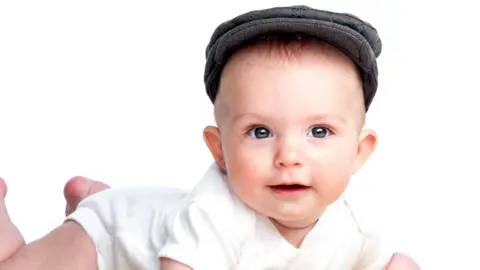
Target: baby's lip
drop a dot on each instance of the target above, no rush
(290, 183)
(297, 185)
(289, 191)
(289, 187)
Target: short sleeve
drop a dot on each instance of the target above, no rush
(94, 215)
(201, 238)
(120, 223)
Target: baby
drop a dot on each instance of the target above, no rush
(290, 87)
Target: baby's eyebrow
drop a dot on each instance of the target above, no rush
(250, 115)
(327, 117)
(319, 118)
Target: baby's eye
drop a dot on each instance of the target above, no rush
(259, 132)
(319, 132)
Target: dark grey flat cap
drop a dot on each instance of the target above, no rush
(357, 39)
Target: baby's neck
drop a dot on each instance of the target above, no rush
(294, 235)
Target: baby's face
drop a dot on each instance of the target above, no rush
(289, 132)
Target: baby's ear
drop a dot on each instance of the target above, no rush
(211, 135)
(367, 141)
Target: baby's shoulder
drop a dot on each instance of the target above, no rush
(212, 203)
(209, 222)
(214, 195)
(218, 207)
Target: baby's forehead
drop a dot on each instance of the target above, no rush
(273, 64)
(245, 79)
(288, 106)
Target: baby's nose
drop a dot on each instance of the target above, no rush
(288, 155)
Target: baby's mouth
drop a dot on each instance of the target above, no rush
(289, 188)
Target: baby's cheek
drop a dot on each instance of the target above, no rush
(330, 191)
(247, 161)
(332, 181)
(247, 189)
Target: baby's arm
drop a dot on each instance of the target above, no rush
(66, 247)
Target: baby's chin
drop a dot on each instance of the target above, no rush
(294, 224)
(294, 218)
(290, 213)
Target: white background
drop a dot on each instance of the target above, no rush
(114, 91)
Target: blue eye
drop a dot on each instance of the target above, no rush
(319, 132)
(259, 133)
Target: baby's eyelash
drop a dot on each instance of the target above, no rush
(327, 127)
(249, 128)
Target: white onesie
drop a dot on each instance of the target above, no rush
(210, 228)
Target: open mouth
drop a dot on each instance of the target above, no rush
(287, 188)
